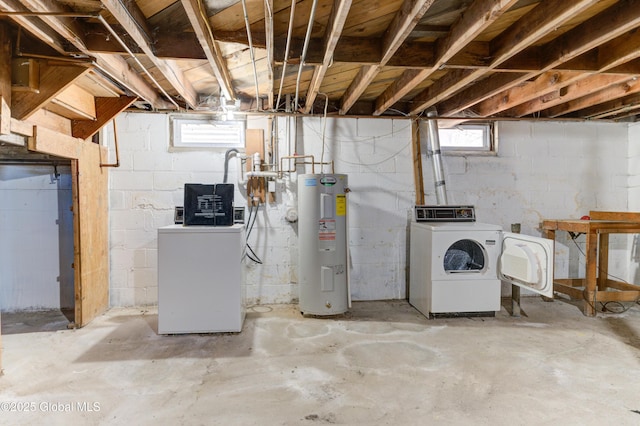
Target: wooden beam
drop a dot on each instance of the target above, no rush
(543, 84)
(166, 44)
(613, 215)
(574, 91)
(626, 111)
(33, 25)
(619, 51)
(332, 35)
(111, 65)
(543, 19)
(106, 110)
(355, 50)
(475, 19)
(50, 142)
(613, 22)
(130, 7)
(403, 23)
(531, 27)
(119, 70)
(626, 52)
(53, 80)
(412, 54)
(205, 37)
(416, 152)
(612, 107)
(174, 75)
(69, 28)
(5, 80)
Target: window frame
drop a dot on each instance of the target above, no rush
(176, 121)
(489, 148)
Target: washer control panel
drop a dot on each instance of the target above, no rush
(445, 214)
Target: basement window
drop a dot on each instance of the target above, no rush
(206, 132)
(468, 139)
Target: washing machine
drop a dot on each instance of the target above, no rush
(457, 264)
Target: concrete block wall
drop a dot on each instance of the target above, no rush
(144, 191)
(546, 170)
(634, 167)
(543, 170)
(376, 156)
(634, 199)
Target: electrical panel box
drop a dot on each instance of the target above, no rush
(209, 205)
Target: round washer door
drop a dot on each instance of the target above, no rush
(465, 256)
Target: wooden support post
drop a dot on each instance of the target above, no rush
(591, 274)
(5, 80)
(515, 290)
(603, 261)
(90, 216)
(416, 152)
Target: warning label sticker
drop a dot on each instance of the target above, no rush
(327, 229)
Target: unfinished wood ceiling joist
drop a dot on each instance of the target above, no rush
(465, 58)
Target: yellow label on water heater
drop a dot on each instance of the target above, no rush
(341, 204)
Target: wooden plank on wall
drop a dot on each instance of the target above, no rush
(92, 295)
(74, 102)
(106, 110)
(53, 80)
(54, 143)
(254, 142)
(77, 244)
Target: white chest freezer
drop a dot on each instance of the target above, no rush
(201, 287)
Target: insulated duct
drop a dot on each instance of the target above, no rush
(436, 159)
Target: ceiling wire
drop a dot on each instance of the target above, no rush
(253, 59)
(286, 51)
(307, 37)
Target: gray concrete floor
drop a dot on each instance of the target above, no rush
(381, 364)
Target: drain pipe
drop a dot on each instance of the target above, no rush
(436, 158)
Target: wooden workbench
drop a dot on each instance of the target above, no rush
(597, 286)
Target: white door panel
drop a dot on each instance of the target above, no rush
(527, 262)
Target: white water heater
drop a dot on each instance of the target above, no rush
(322, 240)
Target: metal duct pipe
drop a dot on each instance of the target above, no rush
(436, 159)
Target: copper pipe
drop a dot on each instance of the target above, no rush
(115, 141)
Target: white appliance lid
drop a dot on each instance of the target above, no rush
(458, 226)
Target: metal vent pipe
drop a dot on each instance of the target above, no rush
(436, 159)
